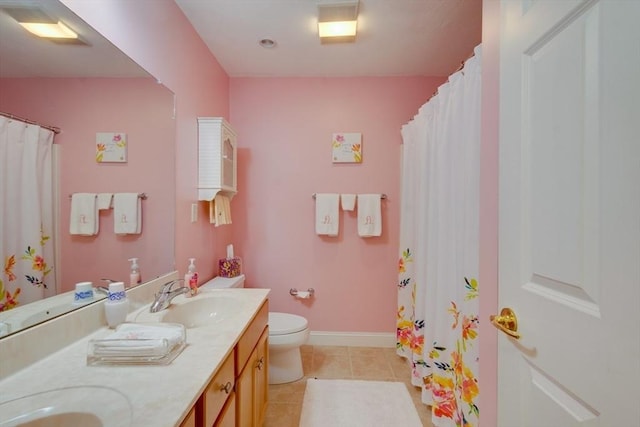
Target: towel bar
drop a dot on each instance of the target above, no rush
(143, 196)
(382, 196)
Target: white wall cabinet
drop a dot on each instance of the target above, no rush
(217, 158)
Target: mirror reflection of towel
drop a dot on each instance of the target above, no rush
(84, 214)
(127, 213)
(327, 219)
(369, 215)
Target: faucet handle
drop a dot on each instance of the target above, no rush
(166, 288)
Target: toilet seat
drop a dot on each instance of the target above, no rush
(286, 323)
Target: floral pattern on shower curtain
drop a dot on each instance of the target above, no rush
(437, 318)
(26, 213)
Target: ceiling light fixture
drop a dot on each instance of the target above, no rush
(50, 30)
(338, 22)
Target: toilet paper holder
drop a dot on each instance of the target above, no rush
(302, 294)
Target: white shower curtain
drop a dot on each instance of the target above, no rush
(26, 213)
(438, 265)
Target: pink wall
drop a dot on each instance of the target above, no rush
(284, 128)
(489, 212)
(183, 63)
(81, 107)
(163, 42)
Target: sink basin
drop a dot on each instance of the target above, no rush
(202, 310)
(87, 406)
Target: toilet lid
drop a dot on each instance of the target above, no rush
(285, 323)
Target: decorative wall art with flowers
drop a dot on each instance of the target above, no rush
(347, 147)
(111, 147)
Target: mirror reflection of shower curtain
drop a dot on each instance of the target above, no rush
(26, 213)
(437, 324)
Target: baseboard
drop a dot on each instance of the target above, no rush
(353, 339)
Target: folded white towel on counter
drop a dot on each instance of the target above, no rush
(220, 210)
(369, 215)
(127, 213)
(84, 214)
(131, 347)
(131, 339)
(327, 219)
(104, 200)
(348, 202)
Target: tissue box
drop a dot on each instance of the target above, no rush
(229, 267)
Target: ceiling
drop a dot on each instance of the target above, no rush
(25, 55)
(395, 37)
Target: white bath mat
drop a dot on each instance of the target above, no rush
(354, 403)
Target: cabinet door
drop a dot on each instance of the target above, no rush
(244, 393)
(228, 160)
(218, 392)
(190, 421)
(261, 379)
(227, 417)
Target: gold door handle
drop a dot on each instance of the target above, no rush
(507, 322)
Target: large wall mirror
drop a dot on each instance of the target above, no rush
(86, 88)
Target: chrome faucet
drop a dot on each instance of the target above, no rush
(105, 289)
(164, 297)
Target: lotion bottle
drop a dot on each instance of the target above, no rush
(134, 278)
(191, 278)
(116, 307)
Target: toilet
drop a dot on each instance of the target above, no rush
(287, 332)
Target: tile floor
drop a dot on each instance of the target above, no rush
(326, 362)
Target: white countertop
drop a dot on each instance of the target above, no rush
(160, 395)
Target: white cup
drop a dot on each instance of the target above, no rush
(116, 312)
(83, 293)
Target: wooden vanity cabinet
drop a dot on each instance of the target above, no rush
(216, 396)
(252, 385)
(237, 394)
(252, 377)
(227, 417)
(190, 421)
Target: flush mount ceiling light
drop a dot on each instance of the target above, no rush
(50, 30)
(39, 23)
(338, 22)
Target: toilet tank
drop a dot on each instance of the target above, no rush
(224, 282)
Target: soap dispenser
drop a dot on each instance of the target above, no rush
(134, 278)
(116, 307)
(191, 278)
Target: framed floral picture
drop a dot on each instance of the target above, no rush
(111, 147)
(347, 148)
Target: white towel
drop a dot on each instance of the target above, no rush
(220, 210)
(84, 214)
(327, 220)
(132, 339)
(104, 200)
(127, 213)
(348, 202)
(369, 215)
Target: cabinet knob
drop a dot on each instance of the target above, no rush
(227, 387)
(260, 363)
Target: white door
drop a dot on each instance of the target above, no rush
(569, 257)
